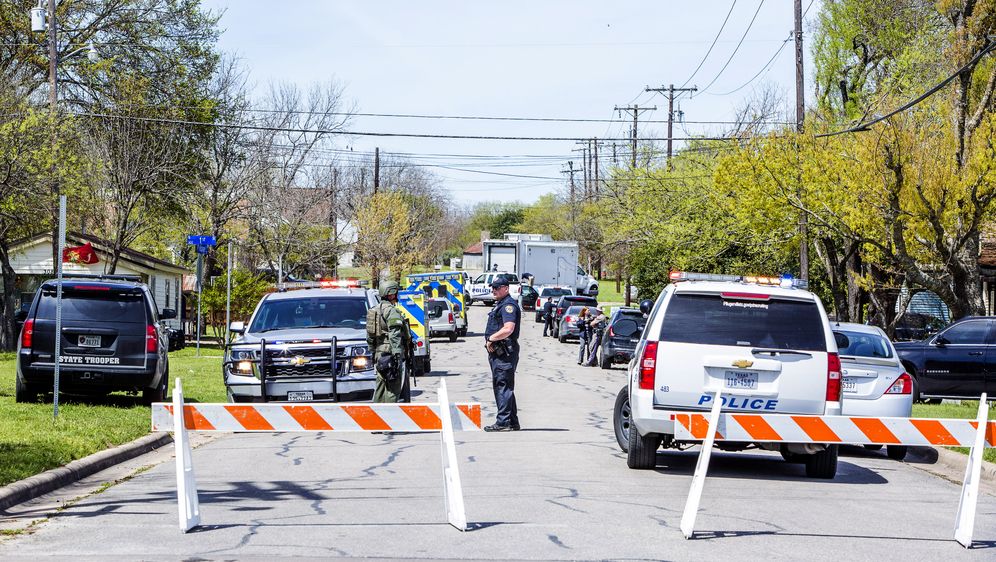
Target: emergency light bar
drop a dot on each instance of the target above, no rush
(785, 281)
(351, 283)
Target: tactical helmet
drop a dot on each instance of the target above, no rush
(388, 288)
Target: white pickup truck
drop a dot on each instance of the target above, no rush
(480, 287)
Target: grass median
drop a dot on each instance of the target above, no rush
(31, 441)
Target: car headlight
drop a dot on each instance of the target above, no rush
(359, 350)
(361, 363)
(244, 367)
(242, 354)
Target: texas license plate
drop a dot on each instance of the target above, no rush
(850, 385)
(89, 341)
(300, 396)
(741, 380)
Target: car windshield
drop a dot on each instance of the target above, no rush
(774, 323)
(315, 312)
(861, 344)
(555, 292)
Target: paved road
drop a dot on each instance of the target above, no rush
(558, 490)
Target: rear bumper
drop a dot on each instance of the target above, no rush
(619, 354)
(90, 377)
(434, 330)
(889, 406)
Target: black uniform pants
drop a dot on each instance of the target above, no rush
(503, 382)
(548, 325)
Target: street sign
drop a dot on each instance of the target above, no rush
(201, 240)
(202, 249)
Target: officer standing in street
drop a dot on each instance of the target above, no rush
(387, 332)
(548, 309)
(502, 342)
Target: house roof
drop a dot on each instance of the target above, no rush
(104, 246)
(476, 248)
(987, 254)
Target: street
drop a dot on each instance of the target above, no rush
(557, 490)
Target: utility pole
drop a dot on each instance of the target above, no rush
(334, 221)
(635, 110)
(670, 93)
(53, 98)
(376, 169)
(800, 116)
(595, 170)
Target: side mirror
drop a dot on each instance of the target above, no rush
(842, 340)
(167, 314)
(237, 327)
(21, 315)
(646, 306)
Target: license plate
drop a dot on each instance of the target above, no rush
(850, 385)
(741, 380)
(89, 341)
(300, 396)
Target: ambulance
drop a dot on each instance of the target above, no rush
(450, 285)
(412, 306)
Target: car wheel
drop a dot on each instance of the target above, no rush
(157, 394)
(453, 336)
(605, 362)
(822, 464)
(873, 447)
(642, 451)
(23, 392)
(426, 366)
(896, 452)
(621, 419)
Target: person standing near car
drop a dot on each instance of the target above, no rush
(597, 328)
(501, 337)
(387, 333)
(548, 308)
(583, 332)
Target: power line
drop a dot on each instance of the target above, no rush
(735, 50)
(759, 72)
(720, 32)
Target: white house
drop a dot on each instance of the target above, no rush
(31, 259)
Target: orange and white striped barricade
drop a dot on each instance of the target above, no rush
(443, 417)
(786, 428)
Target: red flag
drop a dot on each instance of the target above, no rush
(83, 255)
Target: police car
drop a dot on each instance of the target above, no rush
(284, 352)
(764, 342)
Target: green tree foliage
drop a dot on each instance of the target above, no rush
(498, 218)
(247, 290)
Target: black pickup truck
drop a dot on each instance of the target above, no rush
(958, 362)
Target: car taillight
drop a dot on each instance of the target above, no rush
(903, 385)
(27, 332)
(648, 366)
(611, 333)
(833, 377)
(151, 339)
(451, 318)
(568, 319)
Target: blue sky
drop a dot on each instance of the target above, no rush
(546, 59)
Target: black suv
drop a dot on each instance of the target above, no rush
(959, 362)
(568, 301)
(112, 339)
(625, 327)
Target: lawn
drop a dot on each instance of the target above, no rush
(968, 409)
(31, 441)
(607, 292)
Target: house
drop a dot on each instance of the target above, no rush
(31, 259)
(473, 257)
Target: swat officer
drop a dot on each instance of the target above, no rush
(386, 335)
(502, 342)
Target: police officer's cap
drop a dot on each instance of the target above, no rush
(388, 288)
(500, 281)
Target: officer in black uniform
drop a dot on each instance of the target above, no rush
(502, 343)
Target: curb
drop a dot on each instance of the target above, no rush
(941, 457)
(39, 484)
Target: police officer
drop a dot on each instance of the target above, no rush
(548, 309)
(387, 340)
(502, 343)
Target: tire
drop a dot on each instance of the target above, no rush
(426, 366)
(605, 362)
(23, 392)
(873, 447)
(822, 464)
(621, 415)
(642, 451)
(453, 336)
(896, 452)
(157, 394)
(563, 339)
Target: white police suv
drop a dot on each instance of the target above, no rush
(765, 342)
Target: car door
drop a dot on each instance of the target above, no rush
(955, 362)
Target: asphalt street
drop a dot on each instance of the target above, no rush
(558, 490)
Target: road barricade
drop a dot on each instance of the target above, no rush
(785, 428)
(444, 417)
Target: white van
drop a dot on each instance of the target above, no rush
(765, 342)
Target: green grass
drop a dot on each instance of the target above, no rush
(31, 441)
(968, 409)
(607, 292)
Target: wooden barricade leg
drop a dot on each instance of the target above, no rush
(452, 489)
(188, 506)
(965, 520)
(701, 468)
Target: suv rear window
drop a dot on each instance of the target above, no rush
(96, 306)
(713, 320)
(436, 308)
